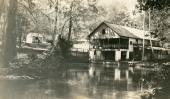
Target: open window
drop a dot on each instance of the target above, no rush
(137, 41)
(103, 31)
(131, 43)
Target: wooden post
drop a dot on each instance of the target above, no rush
(108, 43)
(119, 44)
(143, 37)
(150, 31)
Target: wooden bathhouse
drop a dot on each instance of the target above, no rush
(111, 42)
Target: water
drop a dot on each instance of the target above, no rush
(81, 81)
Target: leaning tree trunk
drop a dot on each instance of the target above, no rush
(55, 23)
(10, 37)
(70, 27)
(70, 22)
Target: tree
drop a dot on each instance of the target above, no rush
(76, 13)
(10, 36)
(116, 15)
(129, 22)
(154, 9)
(22, 25)
(34, 17)
(71, 16)
(156, 14)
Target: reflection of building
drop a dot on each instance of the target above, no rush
(109, 79)
(121, 74)
(114, 42)
(34, 38)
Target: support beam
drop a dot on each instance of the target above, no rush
(127, 55)
(117, 55)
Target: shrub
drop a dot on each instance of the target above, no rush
(159, 84)
(33, 56)
(63, 47)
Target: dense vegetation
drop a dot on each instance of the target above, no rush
(70, 20)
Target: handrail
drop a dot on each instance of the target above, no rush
(111, 46)
(155, 45)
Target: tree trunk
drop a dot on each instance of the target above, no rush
(2, 7)
(20, 30)
(55, 28)
(10, 36)
(70, 22)
(150, 32)
(20, 39)
(143, 38)
(62, 29)
(55, 24)
(70, 26)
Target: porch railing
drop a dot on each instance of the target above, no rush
(111, 46)
(154, 45)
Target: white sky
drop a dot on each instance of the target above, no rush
(130, 4)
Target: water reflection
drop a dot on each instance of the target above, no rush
(110, 81)
(82, 81)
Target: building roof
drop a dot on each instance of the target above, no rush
(121, 31)
(124, 31)
(35, 34)
(139, 33)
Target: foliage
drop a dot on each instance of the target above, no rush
(129, 22)
(158, 87)
(22, 24)
(36, 18)
(63, 47)
(158, 12)
(80, 16)
(114, 14)
(32, 56)
(152, 4)
(35, 69)
(75, 19)
(159, 25)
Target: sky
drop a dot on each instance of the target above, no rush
(130, 4)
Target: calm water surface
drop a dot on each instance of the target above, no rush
(81, 81)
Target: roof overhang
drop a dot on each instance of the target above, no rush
(125, 29)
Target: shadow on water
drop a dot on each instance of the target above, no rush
(82, 81)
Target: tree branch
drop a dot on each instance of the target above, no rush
(26, 9)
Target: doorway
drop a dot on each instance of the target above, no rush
(109, 55)
(123, 55)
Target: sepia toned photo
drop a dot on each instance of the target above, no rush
(84, 49)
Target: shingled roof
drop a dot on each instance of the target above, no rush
(122, 31)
